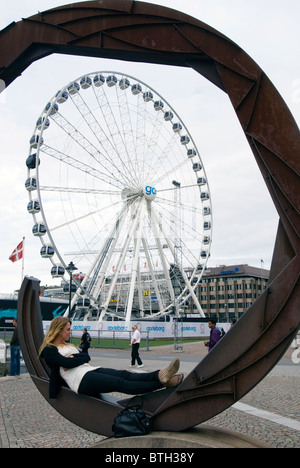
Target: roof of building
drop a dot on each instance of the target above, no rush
(239, 270)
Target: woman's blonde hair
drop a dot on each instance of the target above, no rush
(56, 327)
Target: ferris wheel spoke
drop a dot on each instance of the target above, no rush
(187, 227)
(105, 140)
(126, 134)
(80, 218)
(152, 151)
(140, 140)
(92, 123)
(161, 159)
(113, 142)
(187, 230)
(183, 206)
(90, 191)
(171, 171)
(100, 158)
(80, 166)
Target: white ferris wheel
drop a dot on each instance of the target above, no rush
(117, 186)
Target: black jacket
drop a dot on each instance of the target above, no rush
(15, 338)
(55, 360)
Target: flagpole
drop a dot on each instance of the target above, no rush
(22, 277)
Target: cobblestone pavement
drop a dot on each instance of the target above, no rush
(28, 421)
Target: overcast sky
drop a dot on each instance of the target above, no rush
(245, 220)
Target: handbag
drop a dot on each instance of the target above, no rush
(132, 421)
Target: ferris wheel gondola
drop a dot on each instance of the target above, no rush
(102, 178)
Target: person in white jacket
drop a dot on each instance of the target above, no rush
(134, 345)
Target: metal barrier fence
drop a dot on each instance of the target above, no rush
(6, 333)
(112, 339)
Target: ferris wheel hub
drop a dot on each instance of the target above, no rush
(149, 192)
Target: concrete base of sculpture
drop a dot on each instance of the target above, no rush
(200, 437)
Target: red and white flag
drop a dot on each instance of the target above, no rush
(17, 253)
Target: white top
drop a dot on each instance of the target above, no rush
(136, 336)
(73, 377)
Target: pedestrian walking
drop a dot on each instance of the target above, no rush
(215, 335)
(134, 345)
(85, 341)
(15, 351)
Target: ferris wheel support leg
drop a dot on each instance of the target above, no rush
(86, 278)
(154, 224)
(160, 304)
(140, 291)
(135, 218)
(102, 315)
(134, 268)
(184, 275)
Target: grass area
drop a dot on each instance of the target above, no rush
(110, 343)
(124, 344)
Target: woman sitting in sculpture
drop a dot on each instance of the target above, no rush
(70, 366)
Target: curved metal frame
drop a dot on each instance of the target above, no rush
(129, 30)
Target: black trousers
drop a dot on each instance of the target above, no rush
(110, 380)
(135, 354)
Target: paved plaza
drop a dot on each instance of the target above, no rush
(269, 413)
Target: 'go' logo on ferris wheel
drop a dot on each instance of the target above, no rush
(149, 192)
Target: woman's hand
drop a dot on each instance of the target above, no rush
(65, 368)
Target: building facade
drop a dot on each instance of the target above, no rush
(226, 292)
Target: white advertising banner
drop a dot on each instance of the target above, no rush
(154, 329)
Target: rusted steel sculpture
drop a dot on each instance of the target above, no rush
(133, 31)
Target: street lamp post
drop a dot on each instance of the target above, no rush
(176, 277)
(70, 268)
(175, 280)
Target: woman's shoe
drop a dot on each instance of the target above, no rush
(175, 381)
(167, 373)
